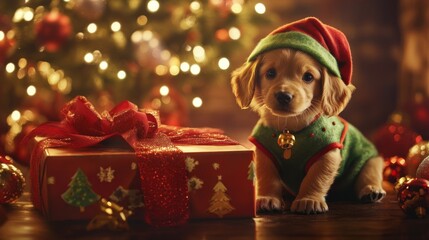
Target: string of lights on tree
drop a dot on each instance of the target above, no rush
(157, 54)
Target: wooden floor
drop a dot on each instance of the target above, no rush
(344, 221)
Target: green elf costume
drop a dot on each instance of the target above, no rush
(330, 47)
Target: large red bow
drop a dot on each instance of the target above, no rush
(83, 126)
(161, 164)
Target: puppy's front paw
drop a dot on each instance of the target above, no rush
(370, 194)
(269, 205)
(309, 206)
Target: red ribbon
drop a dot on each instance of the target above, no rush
(161, 164)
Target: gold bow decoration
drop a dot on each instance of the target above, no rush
(112, 217)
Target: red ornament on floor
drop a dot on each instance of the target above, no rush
(12, 181)
(413, 197)
(394, 139)
(53, 31)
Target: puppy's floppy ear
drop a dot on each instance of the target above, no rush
(335, 94)
(243, 82)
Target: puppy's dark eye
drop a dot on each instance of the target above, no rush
(271, 73)
(308, 77)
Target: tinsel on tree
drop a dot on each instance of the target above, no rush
(153, 53)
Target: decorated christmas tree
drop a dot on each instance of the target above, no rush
(158, 54)
(80, 193)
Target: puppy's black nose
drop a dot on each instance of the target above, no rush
(283, 98)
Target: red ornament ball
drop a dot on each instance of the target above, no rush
(394, 139)
(12, 181)
(423, 169)
(413, 197)
(53, 30)
(394, 169)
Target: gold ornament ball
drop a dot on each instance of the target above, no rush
(416, 154)
(12, 183)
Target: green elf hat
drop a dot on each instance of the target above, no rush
(326, 44)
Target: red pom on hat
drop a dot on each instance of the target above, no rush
(326, 44)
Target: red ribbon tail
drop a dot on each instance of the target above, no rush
(164, 181)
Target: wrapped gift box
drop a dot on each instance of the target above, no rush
(220, 181)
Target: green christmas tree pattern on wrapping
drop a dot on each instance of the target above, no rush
(220, 201)
(80, 193)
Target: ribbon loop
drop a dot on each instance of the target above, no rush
(81, 118)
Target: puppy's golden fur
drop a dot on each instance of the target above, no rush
(313, 91)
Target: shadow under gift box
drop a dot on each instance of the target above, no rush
(72, 181)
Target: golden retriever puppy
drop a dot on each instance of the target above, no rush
(298, 79)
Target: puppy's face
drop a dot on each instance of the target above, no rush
(290, 82)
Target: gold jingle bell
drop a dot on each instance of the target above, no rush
(286, 140)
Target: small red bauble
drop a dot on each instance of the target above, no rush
(413, 197)
(12, 181)
(395, 139)
(53, 30)
(394, 169)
